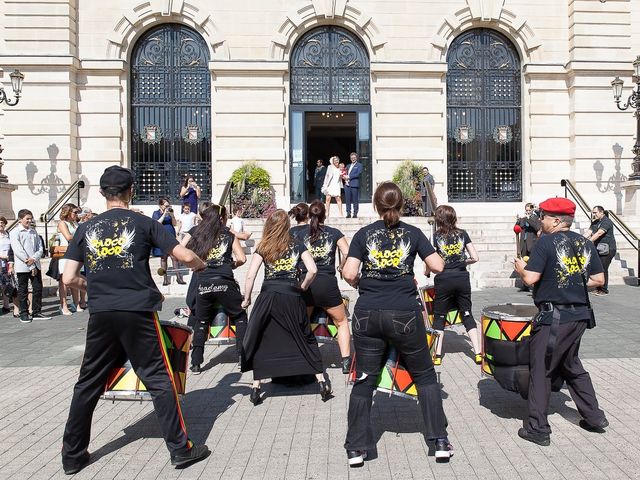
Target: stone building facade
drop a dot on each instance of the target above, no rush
(391, 79)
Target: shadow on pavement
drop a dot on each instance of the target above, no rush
(201, 408)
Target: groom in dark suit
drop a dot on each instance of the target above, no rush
(352, 185)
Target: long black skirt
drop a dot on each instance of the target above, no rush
(279, 341)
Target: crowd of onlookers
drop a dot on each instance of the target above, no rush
(22, 249)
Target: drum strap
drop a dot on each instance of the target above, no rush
(553, 335)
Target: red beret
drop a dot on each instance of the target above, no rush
(559, 205)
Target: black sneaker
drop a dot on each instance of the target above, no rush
(346, 365)
(599, 428)
(73, 468)
(348, 215)
(539, 438)
(355, 215)
(325, 391)
(356, 458)
(196, 369)
(444, 450)
(191, 456)
(40, 316)
(25, 318)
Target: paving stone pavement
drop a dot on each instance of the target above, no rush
(294, 435)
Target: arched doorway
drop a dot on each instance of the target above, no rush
(330, 112)
(484, 137)
(170, 112)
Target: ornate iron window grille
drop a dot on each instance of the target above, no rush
(171, 92)
(330, 65)
(483, 93)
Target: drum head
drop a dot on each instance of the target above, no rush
(178, 325)
(511, 311)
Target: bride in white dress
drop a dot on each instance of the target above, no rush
(332, 184)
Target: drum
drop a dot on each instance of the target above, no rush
(394, 377)
(322, 326)
(427, 296)
(505, 352)
(222, 330)
(124, 384)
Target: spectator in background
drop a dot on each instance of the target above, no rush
(352, 186)
(427, 204)
(85, 215)
(6, 266)
(530, 225)
(237, 224)
(27, 251)
(602, 235)
(187, 220)
(332, 184)
(67, 226)
(318, 178)
(190, 192)
(165, 216)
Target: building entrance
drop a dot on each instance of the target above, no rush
(328, 134)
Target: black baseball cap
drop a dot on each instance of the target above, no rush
(116, 178)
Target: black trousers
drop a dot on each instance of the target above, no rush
(453, 290)
(112, 337)
(210, 294)
(606, 261)
(352, 197)
(372, 330)
(565, 364)
(36, 292)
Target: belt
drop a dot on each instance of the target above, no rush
(549, 306)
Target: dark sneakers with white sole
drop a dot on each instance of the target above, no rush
(444, 450)
(356, 458)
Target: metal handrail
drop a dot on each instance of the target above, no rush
(581, 202)
(618, 224)
(226, 192)
(57, 206)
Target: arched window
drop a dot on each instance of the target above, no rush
(170, 112)
(329, 66)
(484, 159)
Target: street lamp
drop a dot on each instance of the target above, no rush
(634, 102)
(16, 84)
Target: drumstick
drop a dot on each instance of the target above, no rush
(517, 229)
(168, 271)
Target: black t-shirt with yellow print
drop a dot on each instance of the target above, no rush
(285, 268)
(387, 255)
(452, 248)
(114, 248)
(561, 272)
(219, 260)
(323, 249)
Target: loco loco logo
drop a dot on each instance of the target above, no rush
(450, 249)
(388, 249)
(285, 264)
(216, 253)
(568, 265)
(109, 242)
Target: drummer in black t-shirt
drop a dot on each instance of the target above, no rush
(453, 286)
(213, 241)
(323, 241)
(601, 234)
(114, 248)
(559, 266)
(388, 311)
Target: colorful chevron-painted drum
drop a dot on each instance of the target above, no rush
(394, 377)
(505, 354)
(124, 384)
(222, 330)
(427, 296)
(321, 324)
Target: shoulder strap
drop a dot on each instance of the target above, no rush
(582, 273)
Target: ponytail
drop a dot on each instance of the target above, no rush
(388, 202)
(300, 212)
(317, 215)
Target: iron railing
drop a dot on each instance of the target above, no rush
(226, 195)
(53, 210)
(618, 224)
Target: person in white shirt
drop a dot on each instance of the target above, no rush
(27, 251)
(187, 219)
(237, 225)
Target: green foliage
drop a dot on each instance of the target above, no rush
(408, 176)
(252, 190)
(249, 176)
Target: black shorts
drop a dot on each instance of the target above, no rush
(323, 292)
